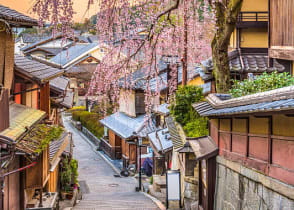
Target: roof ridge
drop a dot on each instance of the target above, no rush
(267, 96)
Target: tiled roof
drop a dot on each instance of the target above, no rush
(274, 106)
(74, 52)
(126, 126)
(31, 38)
(251, 63)
(161, 140)
(162, 109)
(59, 84)
(203, 147)
(67, 101)
(32, 143)
(85, 68)
(42, 41)
(35, 70)
(175, 136)
(140, 81)
(269, 101)
(21, 118)
(49, 50)
(56, 147)
(15, 18)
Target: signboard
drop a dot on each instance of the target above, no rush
(173, 186)
(140, 141)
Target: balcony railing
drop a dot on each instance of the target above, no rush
(252, 19)
(112, 152)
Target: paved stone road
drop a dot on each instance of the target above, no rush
(104, 190)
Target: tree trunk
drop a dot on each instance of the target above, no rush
(226, 19)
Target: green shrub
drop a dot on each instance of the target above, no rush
(65, 175)
(185, 114)
(264, 82)
(74, 168)
(90, 121)
(77, 108)
(197, 127)
(182, 108)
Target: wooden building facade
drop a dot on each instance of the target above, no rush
(253, 133)
(125, 127)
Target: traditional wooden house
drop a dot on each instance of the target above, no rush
(47, 47)
(32, 84)
(160, 141)
(10, 182)
(22, 119)
(123, 132)
(281, 43)
(60, 94)
(255, 141)
(26, 39)
(253, 42)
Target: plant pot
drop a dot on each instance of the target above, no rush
(69, 195)
(63, 195)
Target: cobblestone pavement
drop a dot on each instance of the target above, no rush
(102, 189)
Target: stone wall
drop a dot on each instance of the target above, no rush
(238, 187)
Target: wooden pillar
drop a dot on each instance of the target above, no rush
(218, 132)
(270, 140)
(247, 137)
(4, 109)
(6, 58)
(45, 98)
(17, 89)
(231, 134)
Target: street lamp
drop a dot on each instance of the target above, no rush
(140, 173)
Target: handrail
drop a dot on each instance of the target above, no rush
(253, 16)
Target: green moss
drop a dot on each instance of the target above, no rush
(46, 134)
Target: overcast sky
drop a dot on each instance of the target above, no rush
(24, 6)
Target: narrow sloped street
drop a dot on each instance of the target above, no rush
(101, 189)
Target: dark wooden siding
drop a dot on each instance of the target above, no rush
(140, 102)
(4, 109)
(45, 98)
(282, 29)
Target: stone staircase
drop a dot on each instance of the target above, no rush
(112, 204)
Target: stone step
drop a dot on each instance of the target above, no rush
(111, 208)
(115, 201)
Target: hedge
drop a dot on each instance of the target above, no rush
(90, 121)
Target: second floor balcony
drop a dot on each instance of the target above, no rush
(253, 20)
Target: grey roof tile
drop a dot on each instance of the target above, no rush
(72, 53)
(205, 109)
(161, 140)
(175, 136)
(59, 83)
(55, 145)
(125, 126)
(16, 18)
(31, 38)
(35, 70)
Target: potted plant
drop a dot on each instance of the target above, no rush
(65, 178)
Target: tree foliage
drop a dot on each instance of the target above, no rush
(138, 34)
(264, 82)
(185, 114)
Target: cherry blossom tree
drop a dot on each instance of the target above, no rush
(137, 34)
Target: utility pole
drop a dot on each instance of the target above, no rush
(185, 54)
